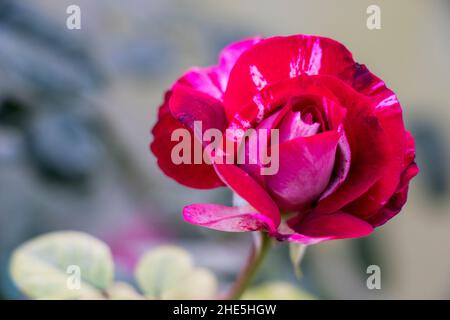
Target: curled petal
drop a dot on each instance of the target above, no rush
(253, 165)
(316, 228)
(213, 80)
(249, 190)
(227, 60)
(188, 106)
(341, 166)
(293, 126)
(391, 120)
(295, 56)
(200, 176)
(200, 79)
(305, 167)
(362, 129)
(223, 218)
(398, 199)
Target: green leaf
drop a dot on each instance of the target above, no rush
(167, 272)
(123, 291)
(276, 291)
(200, 284)
(62, 265)
(296, 253)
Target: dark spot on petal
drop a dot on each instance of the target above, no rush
(362, 78)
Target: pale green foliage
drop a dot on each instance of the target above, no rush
(123, 291)
(276, 291)
(168, 273)
(41, 268)
(75, 265)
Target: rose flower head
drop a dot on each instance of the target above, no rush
(311, 142)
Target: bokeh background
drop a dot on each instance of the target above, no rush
(76, 108)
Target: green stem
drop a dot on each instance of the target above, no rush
(257, 254)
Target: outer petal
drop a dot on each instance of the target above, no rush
(390, 118)
(316, 228)
(201, 176)
(223, 218)
(213, 80)
(398, 199)
(205, 84)
(228, 58)
(188, 105)
(362, 129)
(281, 58)
(200, 79)
(248, 189)
(305, 168)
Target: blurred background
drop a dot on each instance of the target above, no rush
(77, 106)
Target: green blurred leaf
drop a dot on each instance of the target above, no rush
(200, 284)
(123, 291)
(296, 253)
(276, 291)
(167, 272)
(62, 265)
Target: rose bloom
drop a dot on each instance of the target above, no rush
(345, 158)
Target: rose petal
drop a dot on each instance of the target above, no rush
(362, 129)
(398, 199)
(248, 189)
(295, 55)
(316, 228)
(293, 126)
(392, 122)
(188, 106)
(213, 80)
(227, 60)
(200, 176)
(200, 79)
(305, 167)
(341, 166)
(253, 165)
(223, 218)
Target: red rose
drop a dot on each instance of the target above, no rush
(345, 158)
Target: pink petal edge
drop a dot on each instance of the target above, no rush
(230, 219)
